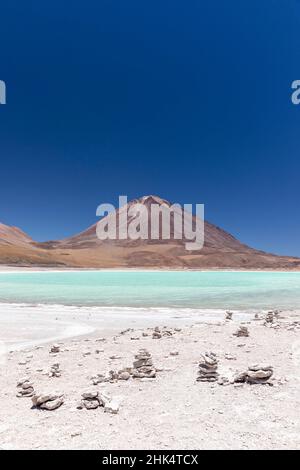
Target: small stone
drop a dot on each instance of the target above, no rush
(91, 404)
(230, 357)
(90, 395)
(112, 407)
(124, 375)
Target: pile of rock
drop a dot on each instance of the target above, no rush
(55, 371)
(92, 400)
(47, 401)
(157, 334)
(228, 315)
(208, 368)
(242, 332)
(55, 349)
(112, 376)
(256, 374)
(25, 388)
(269, 318)
(167, 332)
(143, 365)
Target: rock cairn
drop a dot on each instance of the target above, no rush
(208, 368)
(112, 376)
(55, 349)
(168, 333)
(47, 401)
(55, 371)
(92, 400)
(242, 332)
(143, 365)
(269, 319)
(157, 334)
(228, 315)
(25, 388)
(256, 374)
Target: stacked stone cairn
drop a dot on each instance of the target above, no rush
(256, 374)
(47, 401)
(92, 400)
(269, 319)
(55, 349)
(208, 368)
(25, 388)
(112, 376)
(228, 315)
(157, 334)
(242, 332)
(143, 365)
(55, 371)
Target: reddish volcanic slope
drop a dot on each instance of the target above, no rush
(221, 250)
(13, 236)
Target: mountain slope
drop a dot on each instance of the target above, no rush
(85, 250)
(13, 236)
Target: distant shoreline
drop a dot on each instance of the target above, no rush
(38, 269)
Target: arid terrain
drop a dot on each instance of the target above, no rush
(169, 411)
(85, 250)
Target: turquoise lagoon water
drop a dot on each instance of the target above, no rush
(234, 290)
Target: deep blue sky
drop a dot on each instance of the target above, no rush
(187, 100)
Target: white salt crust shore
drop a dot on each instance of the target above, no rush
(172, 411)
(24, 325)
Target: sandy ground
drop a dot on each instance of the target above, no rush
(172, 411)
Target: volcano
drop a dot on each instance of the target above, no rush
(84, 250)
